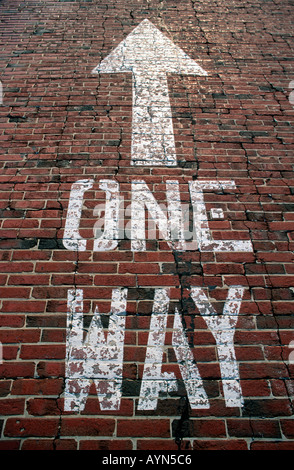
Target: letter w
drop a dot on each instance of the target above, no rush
(95, 358)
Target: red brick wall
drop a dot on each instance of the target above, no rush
(60, 124)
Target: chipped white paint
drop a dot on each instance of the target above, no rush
(223, 329)
(150, 56)
(291, 95)
(201, 225)
(141, 197)
(291, 355)
(72, 239)
(108, 240)
(216, 213)
(94, 359)
(155, 381)
(171, 228)
(179, 218)
(189, 370)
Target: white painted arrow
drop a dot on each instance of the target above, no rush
(149, 55)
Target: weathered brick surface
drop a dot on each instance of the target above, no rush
(59, 124)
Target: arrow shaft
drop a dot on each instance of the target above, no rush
(152, 128)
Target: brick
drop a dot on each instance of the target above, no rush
(255, 387)
(5, 387)
(115, 280)
(29, 280)
(158, 444)
(20, 427)
(268, 408)
(270, 445)
(16, 321)
(136, 268)
(43, 386)
(140, 427)
(50, 369)
(10, 445)
(12, 406)
(207, 427)
(49, 444)
(43, 407)
(253, 428)
(161, 280)
(106, 445)
(18, 306)
(16, 267)
(87, 427)
(54, 267)
(97, 267)
(221, 444)
(13, 369)
(42, 351)
(287, 428)
(19, 335)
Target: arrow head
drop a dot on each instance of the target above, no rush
(146, 49)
